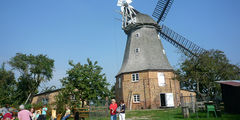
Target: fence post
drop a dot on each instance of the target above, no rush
(181, 100)
(106, 105)
(192, 103)
(185, 109)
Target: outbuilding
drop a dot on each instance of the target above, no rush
(47, 97)
(231, 95)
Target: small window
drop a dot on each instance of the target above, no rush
(164, 51)
(45, 100)
(137, 50)
(161, 79)
(136, 98)
(119, 82)
(137, 34)
(135, 77)
(73, 97)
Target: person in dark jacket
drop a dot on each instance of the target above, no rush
(122, 110)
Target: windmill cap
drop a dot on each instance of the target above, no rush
(143, 18)
(141, 21)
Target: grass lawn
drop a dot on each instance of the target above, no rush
(174, 114)
(170, 114)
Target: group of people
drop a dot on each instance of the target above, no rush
(40, 114)
(9, 113)
(6, 112)
(25, 114)
(66, 115)
(117, 110)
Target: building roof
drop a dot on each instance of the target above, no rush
(235, 83)
(47, 92)
(187, 90)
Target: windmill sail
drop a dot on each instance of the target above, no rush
(186, 46)
(162, 9)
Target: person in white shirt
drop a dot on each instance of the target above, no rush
(122, 110)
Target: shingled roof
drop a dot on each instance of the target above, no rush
(150, 54)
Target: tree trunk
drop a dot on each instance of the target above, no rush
(28, 98)
(82, 103)
(32, 93)
(198, 86)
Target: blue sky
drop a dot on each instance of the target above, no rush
(76, 29)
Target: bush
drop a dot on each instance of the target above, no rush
(28, 106)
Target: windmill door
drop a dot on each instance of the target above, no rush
(169, 100)
(163, 99)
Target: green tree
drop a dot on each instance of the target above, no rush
(201, 73)
(7, 86)
(62, 99)
(33, 70)
(113, 92)
(85, 82)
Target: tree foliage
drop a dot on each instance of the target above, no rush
(85, 82)
(62, 99)
(33, 70)
(201, 73)
(112, 92)
(7, 86)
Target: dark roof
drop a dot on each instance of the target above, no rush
(235, 83)
(188, 90)
(47, 92)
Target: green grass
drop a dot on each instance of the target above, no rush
(169, 114)
(174, 114)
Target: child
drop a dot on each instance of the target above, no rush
(37, 113)
(33, 114)
(53, 117)
(44, 112)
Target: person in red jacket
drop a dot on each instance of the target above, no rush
(113, 108)
(8, 116)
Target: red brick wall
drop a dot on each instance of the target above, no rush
(148, 89)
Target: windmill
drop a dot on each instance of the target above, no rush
(146, 75)
(161, 10)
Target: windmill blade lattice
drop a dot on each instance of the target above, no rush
(186, 46)
(162, 9)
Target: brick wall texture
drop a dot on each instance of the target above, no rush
(148, 89)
